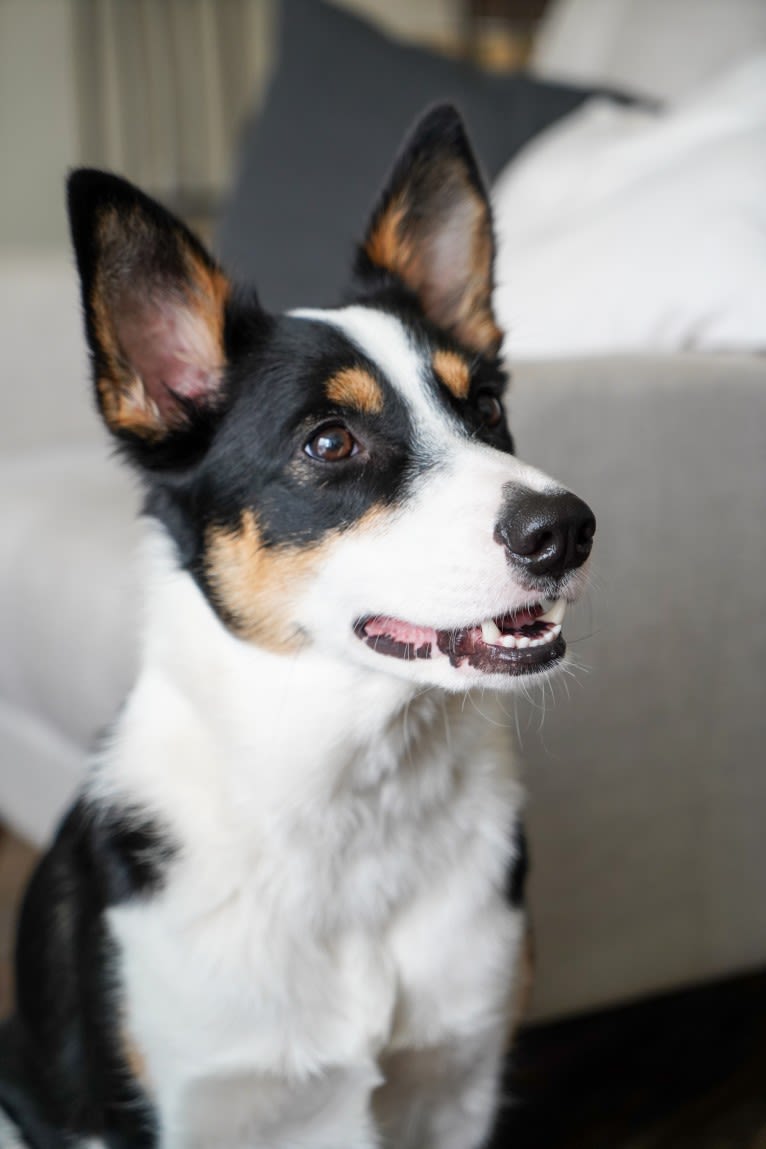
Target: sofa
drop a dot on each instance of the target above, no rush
(644, 764)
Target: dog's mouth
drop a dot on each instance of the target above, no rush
(523, 641)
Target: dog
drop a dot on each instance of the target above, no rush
(286, 910)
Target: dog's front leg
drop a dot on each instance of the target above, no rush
(443, 1097)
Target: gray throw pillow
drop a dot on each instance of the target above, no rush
(311, 164)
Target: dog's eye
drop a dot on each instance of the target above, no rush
(332, 444)
(490, 408)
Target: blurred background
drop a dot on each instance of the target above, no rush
(625, 145)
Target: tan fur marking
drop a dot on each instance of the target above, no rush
(475, 322)
(386, 245)
(134, 1059)
(255, 584)
(211, 290)
(124, 401)
(521, 992)
(355, 387)
(127, 407)
(453, 371)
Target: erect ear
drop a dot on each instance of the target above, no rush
(432, 231)
(154, 305)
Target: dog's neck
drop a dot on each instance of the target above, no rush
(226, 713)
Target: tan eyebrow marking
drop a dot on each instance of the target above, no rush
(355, 387)
(453, 371)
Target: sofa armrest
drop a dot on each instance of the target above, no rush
(647, 781)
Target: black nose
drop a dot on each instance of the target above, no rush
(546, 534)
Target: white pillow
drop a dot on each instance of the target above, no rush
(663, 48)
(621, 229)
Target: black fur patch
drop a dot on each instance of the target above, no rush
(519, 867)
(70, 1068)
(278, 401)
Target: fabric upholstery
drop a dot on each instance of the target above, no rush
(68, 621)
(659, 48)
(646, 778)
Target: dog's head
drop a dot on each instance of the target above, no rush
(342, 479)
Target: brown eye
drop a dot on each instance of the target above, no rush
(490, 408)
(332, 444)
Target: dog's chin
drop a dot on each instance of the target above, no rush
(519, 644)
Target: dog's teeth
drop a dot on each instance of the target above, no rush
(493, 636)
(556, 613)
(551, 633)
(490, 632)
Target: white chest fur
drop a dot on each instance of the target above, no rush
(335, 900)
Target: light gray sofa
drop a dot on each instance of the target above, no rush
(646, 773)
(648, 779)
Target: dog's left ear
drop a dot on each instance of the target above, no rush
(154, 304)
(432, 231)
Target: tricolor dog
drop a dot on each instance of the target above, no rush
(279, 915)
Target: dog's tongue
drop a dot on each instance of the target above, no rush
(524, 637)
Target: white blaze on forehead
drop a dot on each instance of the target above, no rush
(386, 342)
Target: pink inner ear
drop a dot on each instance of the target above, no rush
(451, 245)
(447, 271)
(173, 349)
(451, 269)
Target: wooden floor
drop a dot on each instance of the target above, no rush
(683, 1072)
(687, 1071)
(16, 862)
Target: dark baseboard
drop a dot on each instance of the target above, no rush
(682, 1071)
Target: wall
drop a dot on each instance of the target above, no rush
(155, 89)
(38, 120)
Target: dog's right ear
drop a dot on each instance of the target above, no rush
(431, 232)
(154, 304)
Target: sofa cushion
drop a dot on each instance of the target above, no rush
(661, 48)
(645, 764)
(44, 361)
(622, 229)
(312, 163)
(68, 619)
